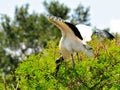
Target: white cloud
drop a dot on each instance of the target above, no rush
(115, 26)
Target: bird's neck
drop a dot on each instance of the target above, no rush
(65, 30)
(66, 34)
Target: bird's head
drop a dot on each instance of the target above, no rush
(54, 19)
(60, 23)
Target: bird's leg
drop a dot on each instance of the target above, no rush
(78, 56)
(73, 63)
(58, 63)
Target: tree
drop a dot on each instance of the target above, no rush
(81, 15)
(57, 9)
(19, 35)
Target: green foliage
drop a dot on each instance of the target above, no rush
(40, 74)
(99, 73)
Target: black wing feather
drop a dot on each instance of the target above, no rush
(75, 30)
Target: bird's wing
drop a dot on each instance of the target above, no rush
(105, 34)
(86, 32)
(75, 30)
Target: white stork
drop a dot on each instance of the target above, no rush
(71, 40)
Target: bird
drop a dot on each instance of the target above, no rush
(71, 40)
(72, 34)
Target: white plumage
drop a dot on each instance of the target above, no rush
(86, 32)
(69, 42)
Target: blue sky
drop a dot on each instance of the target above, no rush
(102, 12)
